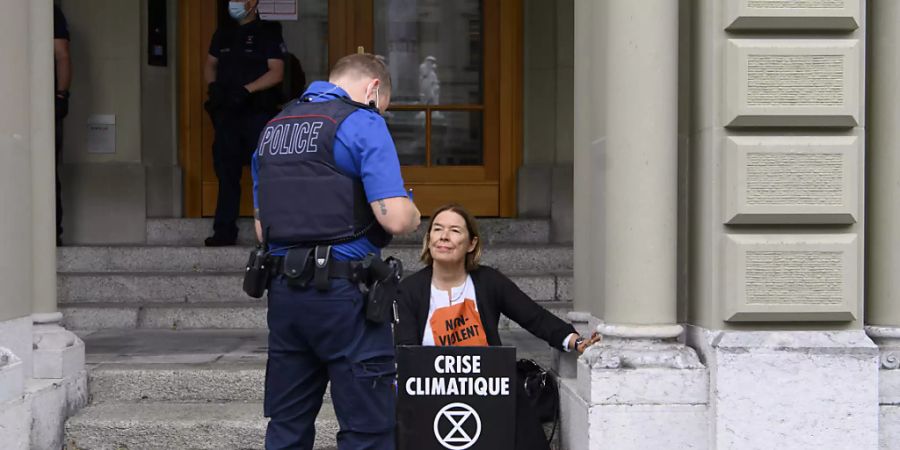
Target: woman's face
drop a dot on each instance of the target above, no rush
(449, 240)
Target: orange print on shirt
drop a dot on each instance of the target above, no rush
(458, 325)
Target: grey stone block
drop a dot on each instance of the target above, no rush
(104, 202)
(534, 190)
(562, 212)
(242, 382)
(191, 232)
(181, 425)
(565, 287)
(76, 317)
(559, 309)
(159, 288)
(225, 289)
(507, 258)
(198, 316)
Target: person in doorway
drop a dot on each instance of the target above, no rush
(63, 76)
(244, 70)
(453, 285)
(328, 192)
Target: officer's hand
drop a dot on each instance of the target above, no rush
(62, 104)
(215, 99)
(237, 97)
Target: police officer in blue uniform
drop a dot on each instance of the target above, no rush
(244, 70)
(327, 183)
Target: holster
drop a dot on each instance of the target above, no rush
(296, 267)
(256, 275)
(383, 291)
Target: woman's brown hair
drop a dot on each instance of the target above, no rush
(473, 257)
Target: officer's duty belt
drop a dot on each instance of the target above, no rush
(336, 269)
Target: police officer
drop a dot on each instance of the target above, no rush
(63, 75)
(244, 69)
(326, 171)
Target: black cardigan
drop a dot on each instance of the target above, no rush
(495, 294)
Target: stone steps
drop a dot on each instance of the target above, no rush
(234, 315)
(179, 360)
(192, 232)
(171, 382)
(172, 425)
(80, 288)
(202, 389)
(94, 259)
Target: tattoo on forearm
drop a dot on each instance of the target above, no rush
(383, 207)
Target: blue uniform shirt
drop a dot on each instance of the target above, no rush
(363, 149)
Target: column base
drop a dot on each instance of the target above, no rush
(799, 389)
(58, 353)
(36, 400)
(59, 356)
(635, 393)
(888, 341)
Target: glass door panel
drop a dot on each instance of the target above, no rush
(435, 52)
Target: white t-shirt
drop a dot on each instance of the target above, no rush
(441, 299)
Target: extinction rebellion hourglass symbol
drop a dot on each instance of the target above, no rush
(457, 426)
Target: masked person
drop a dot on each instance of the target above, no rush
(327, 184)
(244, 69)
(454, 287)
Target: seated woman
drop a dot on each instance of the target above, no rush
(453, 285)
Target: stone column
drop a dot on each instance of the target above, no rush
(640, 388)
(15, 227)
(641, 176)
(882, 308)
(882, 263)
(58, 353)
(59, 387)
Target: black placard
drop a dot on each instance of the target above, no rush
(456, 398)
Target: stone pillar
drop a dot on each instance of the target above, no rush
(42, 377)
(883, 240)
(641, 163)
(589, 138)
(640, 388)
(777, 152)
(58, 353)
(15, 228)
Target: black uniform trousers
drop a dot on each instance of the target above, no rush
(236, 136)
(318, 336)
(59, 208)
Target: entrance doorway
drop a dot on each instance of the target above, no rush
(456, 113)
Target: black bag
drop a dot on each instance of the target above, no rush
(541, 391)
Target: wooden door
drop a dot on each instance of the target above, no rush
(462, 145)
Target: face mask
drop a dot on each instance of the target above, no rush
(237, 10)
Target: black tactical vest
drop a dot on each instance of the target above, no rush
(303, 197)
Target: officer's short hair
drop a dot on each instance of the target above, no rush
(363, 64)
(473, 258)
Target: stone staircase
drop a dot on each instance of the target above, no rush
(176, 352)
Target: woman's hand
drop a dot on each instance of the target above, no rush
(584, 344)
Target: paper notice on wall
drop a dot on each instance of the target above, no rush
(278, 9)
(101, 133)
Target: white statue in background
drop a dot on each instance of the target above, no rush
(429, 84)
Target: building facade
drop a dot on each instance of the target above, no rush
(726, 172)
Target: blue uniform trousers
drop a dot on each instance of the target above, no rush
(315, 337)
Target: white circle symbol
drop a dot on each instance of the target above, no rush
(457, 414)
